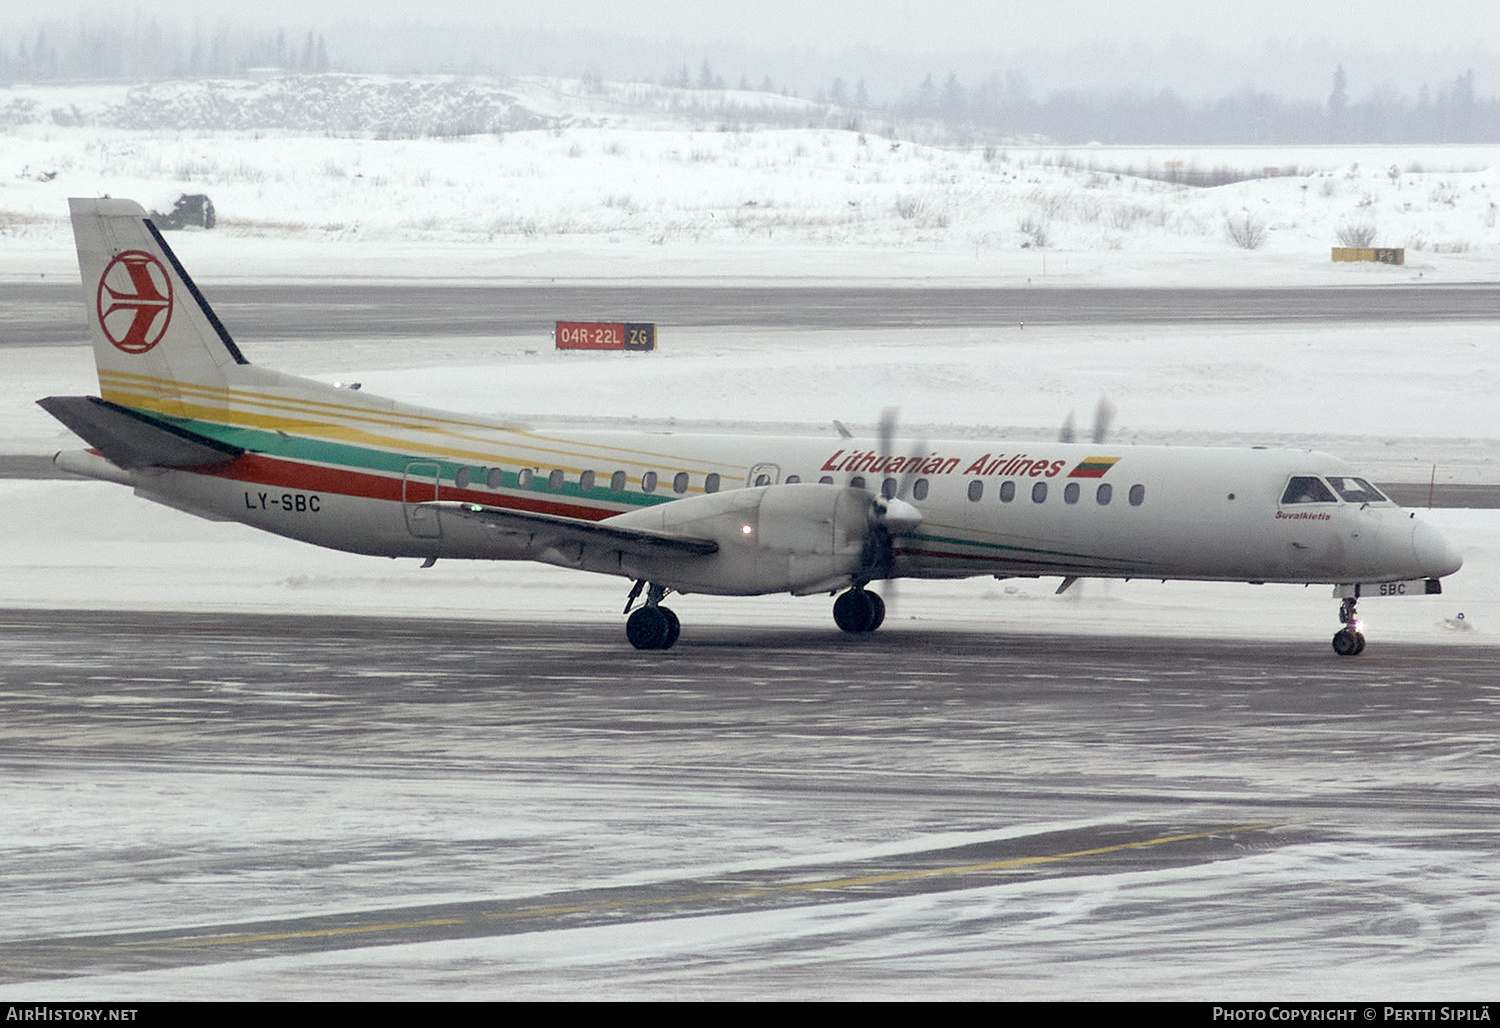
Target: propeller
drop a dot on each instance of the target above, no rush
(891, 513)
(1104, 417)
(891, 504)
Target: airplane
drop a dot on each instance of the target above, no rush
(184, 419)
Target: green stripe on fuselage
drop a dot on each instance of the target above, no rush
(364, 458)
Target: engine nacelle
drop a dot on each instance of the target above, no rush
(798, 538)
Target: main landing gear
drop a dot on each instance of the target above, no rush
(859, 610)
(653, 627)
(1349, 641)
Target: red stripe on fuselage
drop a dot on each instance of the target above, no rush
(257, 469)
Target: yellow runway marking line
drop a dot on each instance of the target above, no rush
(894, 876)
(318, 933)
(1011, 863)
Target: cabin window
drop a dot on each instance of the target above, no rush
(1137, 495)
(976, 491)
(711, 483)
(1070, 493)
(617, 482)
(793, 479)
(919, 489)
(461, 478)
(1104, 494)
(523, 478)
(679, 482)
(1307, 489)
(1039, 493)
(826, 480)
(857, 482)
(888, 488)
(494, 478)
(1356, 490)
(586, 482)
(648, 482)
(555, 480)
(1007, 491)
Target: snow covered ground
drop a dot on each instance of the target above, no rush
(606, 188)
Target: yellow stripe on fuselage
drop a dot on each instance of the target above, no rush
(307, 417)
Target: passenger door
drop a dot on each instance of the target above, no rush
(419, 493)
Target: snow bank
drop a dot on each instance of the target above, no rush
(546, 179)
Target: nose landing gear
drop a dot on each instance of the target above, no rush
(653, 627)
(1349, 641)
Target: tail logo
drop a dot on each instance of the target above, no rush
(135, 301)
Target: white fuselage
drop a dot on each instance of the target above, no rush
(1004, 508)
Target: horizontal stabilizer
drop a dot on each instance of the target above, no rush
(131, 439)
(554, 530)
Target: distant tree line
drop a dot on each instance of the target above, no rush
(147, 50)
(993, 109)
(999, 107)
(1004, 107)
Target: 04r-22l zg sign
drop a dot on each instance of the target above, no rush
(605, 335)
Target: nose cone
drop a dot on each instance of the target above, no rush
(898, 516)
(1435, 555)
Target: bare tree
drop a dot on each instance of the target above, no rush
(1245, 230)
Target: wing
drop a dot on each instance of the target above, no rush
(130, 439)
(553, 530)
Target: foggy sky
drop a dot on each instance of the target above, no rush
(882, 24)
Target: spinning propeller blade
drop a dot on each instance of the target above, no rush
(890, 512)
(1104, 417)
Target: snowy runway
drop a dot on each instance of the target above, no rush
(168, 771)
(46, 313)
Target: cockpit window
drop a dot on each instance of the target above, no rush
(1306, 489)
(1356, 490)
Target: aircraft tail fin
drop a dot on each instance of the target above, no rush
(157, 343)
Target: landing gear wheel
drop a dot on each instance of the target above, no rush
(1349, 643)
(859, 611)
(652, 628)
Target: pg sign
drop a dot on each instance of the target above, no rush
(1378, 254)
(604, 335)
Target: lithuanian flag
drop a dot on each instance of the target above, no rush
(1093, 467)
